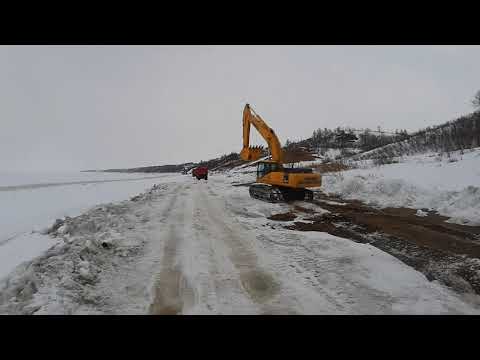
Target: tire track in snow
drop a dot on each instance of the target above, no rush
(300, 292)
(200, 264)
(305, 265)
(172, 290)
(216, 278)
(255, 281)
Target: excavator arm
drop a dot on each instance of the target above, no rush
(250, 153)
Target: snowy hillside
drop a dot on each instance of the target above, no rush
(447, 184)
(461, 133)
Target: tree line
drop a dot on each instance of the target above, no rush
(346, 137)
(458, 134)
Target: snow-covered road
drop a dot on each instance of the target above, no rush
(196, 247)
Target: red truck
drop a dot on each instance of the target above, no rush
(200, 172)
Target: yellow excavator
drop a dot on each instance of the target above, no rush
(275, 183)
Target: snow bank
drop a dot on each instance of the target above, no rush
(25, 213)
(88, 249)
(449, 187)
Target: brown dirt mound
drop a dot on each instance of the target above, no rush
(292, 156)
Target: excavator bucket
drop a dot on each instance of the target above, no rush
(251, 153)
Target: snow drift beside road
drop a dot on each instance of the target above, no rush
(422, 181)
(32, 209)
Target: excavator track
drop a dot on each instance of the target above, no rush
(266, 192)
(277, 194)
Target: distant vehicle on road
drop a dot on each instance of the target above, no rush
(200, 172)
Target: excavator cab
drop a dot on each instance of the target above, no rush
(266, 167)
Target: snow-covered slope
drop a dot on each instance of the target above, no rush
(461, 133)
(447, 184)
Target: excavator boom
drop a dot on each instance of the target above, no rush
(250, 153)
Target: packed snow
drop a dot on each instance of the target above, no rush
(198, 247)
(30, 202)
(446, 184)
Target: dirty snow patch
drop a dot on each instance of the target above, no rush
(421, 213)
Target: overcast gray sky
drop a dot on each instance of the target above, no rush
(94, 107)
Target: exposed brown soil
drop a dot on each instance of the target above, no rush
(288, 216)
(325, 226)
(303, 209)
(442, 251)
(297, 155)
(431, 231)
